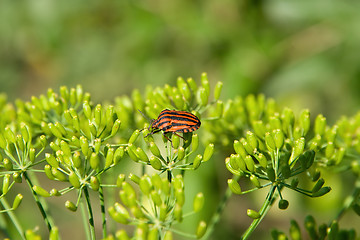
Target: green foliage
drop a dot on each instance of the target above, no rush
(67, 138)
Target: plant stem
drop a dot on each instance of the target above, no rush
(216, 217)
(102, 207)
(264, 209)
(13, 218)
(91, 217)
(48, 221)
(349, 201)
(84, 220)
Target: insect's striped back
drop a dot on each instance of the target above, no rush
(176, 121)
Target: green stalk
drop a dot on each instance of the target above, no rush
(90, 214)
(349, 201)
(13, 218)
(216, 217)
(102, 208)
(84, 219)
(263, 211)
(48, 221)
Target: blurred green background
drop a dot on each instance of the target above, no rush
(302, 53)
(305, 54)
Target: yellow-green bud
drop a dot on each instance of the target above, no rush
(155, 163)
(94, 183)
(9, 134)
(59, 175)
(253, 214)
(180, 153)
(84, 144)
(175, 141)
(180, 196)
(269, 141)
(248, 148)
(47, 170)
(320, 124)
(17, 201)
(154, 149)
(109, 157)
(120, 179)
(262, 160)
(198, 202)
(74, 180)
(87, 110)
(17, 177)
(94, 161)
(40, 191)
(252, 140)
(194, 142)
(115, 127)
(122, 211)
(155, 196)
(234, 186)
(134, 178)
(255, 181)
(142, 155)
(197, 161)
(119, 153)
(145, 184)
(76, 159)
(134, 136)
(278, 138)
(8, 164)
(178, 214)
(239, 148)
(6, 184)
(217, 90)
(122, 235)
(71, 206)
(250, 165)
(192, 84)
(208, 152)
(131, 150)
(304, 121)
(201, 229)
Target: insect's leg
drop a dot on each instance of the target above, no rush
(179, 135)
(167, 137)
(152, 132)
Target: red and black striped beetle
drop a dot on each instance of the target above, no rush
(174, 121)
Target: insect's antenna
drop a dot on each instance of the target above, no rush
(150, 120)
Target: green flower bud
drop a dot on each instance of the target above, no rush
(269, 141)
(94, 183)
(310, 226)
(76, 160)
(118, 155)
(202, 96)
(262, 160)
(72, 96)
(329, 150)
(6, 184)
(97, 114)
(275, 122)
(209, 150)
(270, 173)
(59, 175)
(93, 129)
(168, 235)
(339, 155)
(134, 136)
(156, 181)
(259, 128)
(20, 142)
(122, 235)
(8, 164)
(74, 180)
(180, 153)
(180, 196)
(175, 141)
(252, 140)
(217, 90)
(154, 233)
(134, 178)
(165, 186)
(40, 191)
(307, 159)
(122, 211)
(65, 148)
(250, 165)
(283, 204)
(219, 109)
(294, 183)
(234, 186)
(321, 192)
(194, 142)
(9, 135)
(178, 182)
(253, 214)
(43, 141)
(239, 148)
(287, 118)
(154, 149)
(94, 161)
(230, 168)
(184, 88)
(109, 157)
(17, 177)
(192, 84)
(255, 181)
(320, 124)
(198, 202)
(318, 185)
(76, 123)
(278, 138)
(142, 155)
(298, 148)
(179, 101)
(129, 190)
(248, 148)
(24, 129)
(295, 232)
(54, 233)
(131, 150)
(145, 184)
(201, 229)
(87, 110)
(155, 163)
(155, 196)
(47, 170)
(68, 116)
(71, 206)
(120, 179)
(17, 201)
(84, 144)
(54, 192)
(2, 142)
(197, 161)
(304, 121)
(178, 213)
(115, 127)
(61, 128)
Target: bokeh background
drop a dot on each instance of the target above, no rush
(304, 54)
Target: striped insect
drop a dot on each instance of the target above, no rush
(174, 121)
